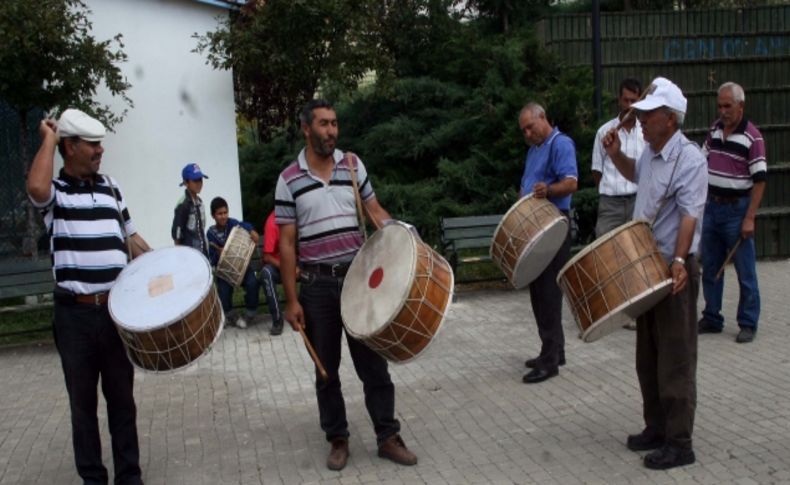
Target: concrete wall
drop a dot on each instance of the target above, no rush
(183, 110)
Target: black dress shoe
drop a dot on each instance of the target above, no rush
(533, 362)
(706, 326)
(539, 374)
(669, 456)
(646, 440)
(746, 335)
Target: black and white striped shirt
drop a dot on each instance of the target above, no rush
(86, 240)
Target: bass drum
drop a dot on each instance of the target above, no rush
(396, 294)
(527, 239)
(166, 309)
(619, 276)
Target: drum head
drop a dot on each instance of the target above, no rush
(631, 309)
(378, 280)
(159, 288)
(539, 253)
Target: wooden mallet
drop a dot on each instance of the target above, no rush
(649, 90)
(729, 257)
(313, 355)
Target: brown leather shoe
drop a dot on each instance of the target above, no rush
(338, 455)
(394, 449)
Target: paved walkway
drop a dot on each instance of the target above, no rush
(246, 413)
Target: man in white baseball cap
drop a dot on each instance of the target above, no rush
(672, 183)
(86, 214)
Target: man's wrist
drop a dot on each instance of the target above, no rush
(679, 260)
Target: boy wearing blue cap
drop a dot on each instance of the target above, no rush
(217, 237)
(189, 219)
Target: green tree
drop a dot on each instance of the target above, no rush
(437, 127)
(51, 61)
(283, 51)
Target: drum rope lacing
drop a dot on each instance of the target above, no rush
(580, 301)
(153, 357)
(385, 345)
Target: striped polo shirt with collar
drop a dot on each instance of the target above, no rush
(325, 214)
(736, 163)
(86, 239)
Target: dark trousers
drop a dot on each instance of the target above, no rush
(90, 347)
(251, 298)
(320, 299)
(546, 298)
(666, 362)
(269, 279)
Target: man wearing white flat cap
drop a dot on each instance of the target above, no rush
(672, 183)
(86, 216)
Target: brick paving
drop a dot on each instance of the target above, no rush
(246, 412)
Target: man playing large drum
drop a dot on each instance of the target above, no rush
(672, 178)
(550, 172)
(315, 209)
(87, 218)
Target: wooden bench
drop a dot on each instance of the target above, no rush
(21, 279)
(26, 278)
(472, 232)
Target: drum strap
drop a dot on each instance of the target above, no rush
(123, 223)
(666, 198)
(360, 208)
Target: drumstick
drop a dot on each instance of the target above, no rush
(313, 355)
(630, 113)
(729, 257)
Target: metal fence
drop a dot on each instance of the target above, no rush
(699, 50)
(17, 241)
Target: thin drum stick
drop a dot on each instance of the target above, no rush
(630, 113)
(729, 257)
(313, 355)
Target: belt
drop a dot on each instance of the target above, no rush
(623, 196)
(719, 199)
(93, 299)
(337, 270)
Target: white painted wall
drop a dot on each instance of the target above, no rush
(183, 110)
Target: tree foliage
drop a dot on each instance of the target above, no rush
(282, 51)
(51, 61)
(438, 129)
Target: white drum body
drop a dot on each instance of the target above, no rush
(396, 294)
(166, 308)
(235, 256)
(527, 239)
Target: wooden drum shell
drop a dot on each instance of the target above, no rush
(527, 239)
(622, 274)
(235, 257)
(400, 315)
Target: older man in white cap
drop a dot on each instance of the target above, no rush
(86, 215)
(672, 178)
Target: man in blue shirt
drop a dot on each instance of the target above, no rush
(550, 172)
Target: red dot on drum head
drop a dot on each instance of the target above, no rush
(375, 278)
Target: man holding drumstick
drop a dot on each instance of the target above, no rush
(316, 211)
(86, 215)
(550, 172)
(737, 176)
(672, 178)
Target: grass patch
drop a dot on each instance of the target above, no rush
(26, 326)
